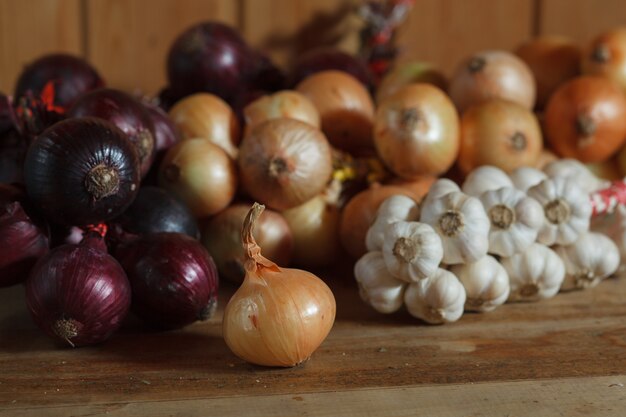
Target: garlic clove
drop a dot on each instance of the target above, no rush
(437, 299)
(614, 226)
(411, 250)
(394, 208)
(377, 286)
(440, 188)
(577, 172)
(486, 284)
(525, 177)
(485, 178)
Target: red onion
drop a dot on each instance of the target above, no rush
(78, 294)
(23, 238)
(173, 278)
(12, 151)
(8, 120)
(322, 59)
(266, 76)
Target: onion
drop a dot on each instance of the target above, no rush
(492, 74)
(173, 279)
(288, 104)
(265, 76)
(499, 133)
(209, 117)
(416, 131)
(284, 162)
(12, 152)
(345, 108)
(545, 157)
(23, 238)
(323, 59)
(82, 171)
(586, 119)
(126, 113)
(417, 188)
(315, 229)
(222, 238)
(409, 73)
(201, 174)
(8, 118)
(78, 294)
(359, 214)
(606, 56)
(166, 134)
(70, 77)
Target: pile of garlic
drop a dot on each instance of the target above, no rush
(498, 238)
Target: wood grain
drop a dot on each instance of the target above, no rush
(128, 40)
(30, 28)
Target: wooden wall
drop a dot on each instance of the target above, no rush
(127, 40)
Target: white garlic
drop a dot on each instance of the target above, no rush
(376, 285)
(525, 177)
(588, 261)
(462, 224)
(394, 208)
(437, 299)
(440, 188)
(614, 227)
(412, 250)
(534, 274)
(515, 220)
(577, 171)
(486, 283)
(567, 210)
(485, 178)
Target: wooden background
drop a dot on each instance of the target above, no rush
(127, 40)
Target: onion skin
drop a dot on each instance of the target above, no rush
(82, 171)
(287, 104)
(173, 278)
(78, 294)
(284, 162)
(23, 238)
(416, 131)
(201, 174)
(222, 238)
(586, 119)
(606, 56)
(359, 214)
(492, 74)
(345, 107)
(500, 133)
(409, 73)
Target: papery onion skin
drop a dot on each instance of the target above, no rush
(82, 171)
(78, 294)
(284, 162)
(23, 238)
(222, 238)
(201, 174)
(286, 103)
(416, 131)
(345, 107)
(173, 278)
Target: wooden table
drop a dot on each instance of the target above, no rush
(565, 356)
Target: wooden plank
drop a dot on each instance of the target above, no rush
(445, 32)
(576, 397)
(128, 40)
(30, 28)
(580, 20)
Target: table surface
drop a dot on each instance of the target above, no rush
(564, 356)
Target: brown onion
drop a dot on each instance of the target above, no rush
(284, 162)
(416, 131)
(359, 214)
(345, 107)
(201, 174)
(410, 73)
(207, 116)
(492, 74)
(286, 103)
(606, 56)
(586, 119)
(417, 188)
(545, 157)
(222, 238)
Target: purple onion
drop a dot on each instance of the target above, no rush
(12, 152)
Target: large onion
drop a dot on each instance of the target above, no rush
(409, 73)
(606, 56)
(286, 103)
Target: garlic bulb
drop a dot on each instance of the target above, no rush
(614, 227)
(486, 283)
(577, 171)
(412, 250)
(485, 178)
(588, 261)
(525, 177)
(462, 224)
(394, 208)
(278, 316)
(437, 299)
(515, 220)
(566, 207)
(534, 274)
(376, 285)
(440, 188)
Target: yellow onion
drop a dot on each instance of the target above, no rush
(288, 104)
(279, 316)
(409, 73)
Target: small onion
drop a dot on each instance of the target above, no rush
(78, 294)
(409, 73)
(173, 279)
(207, 116)
(222, 238)
(286, 103)
(201, 174)
(284, 162)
